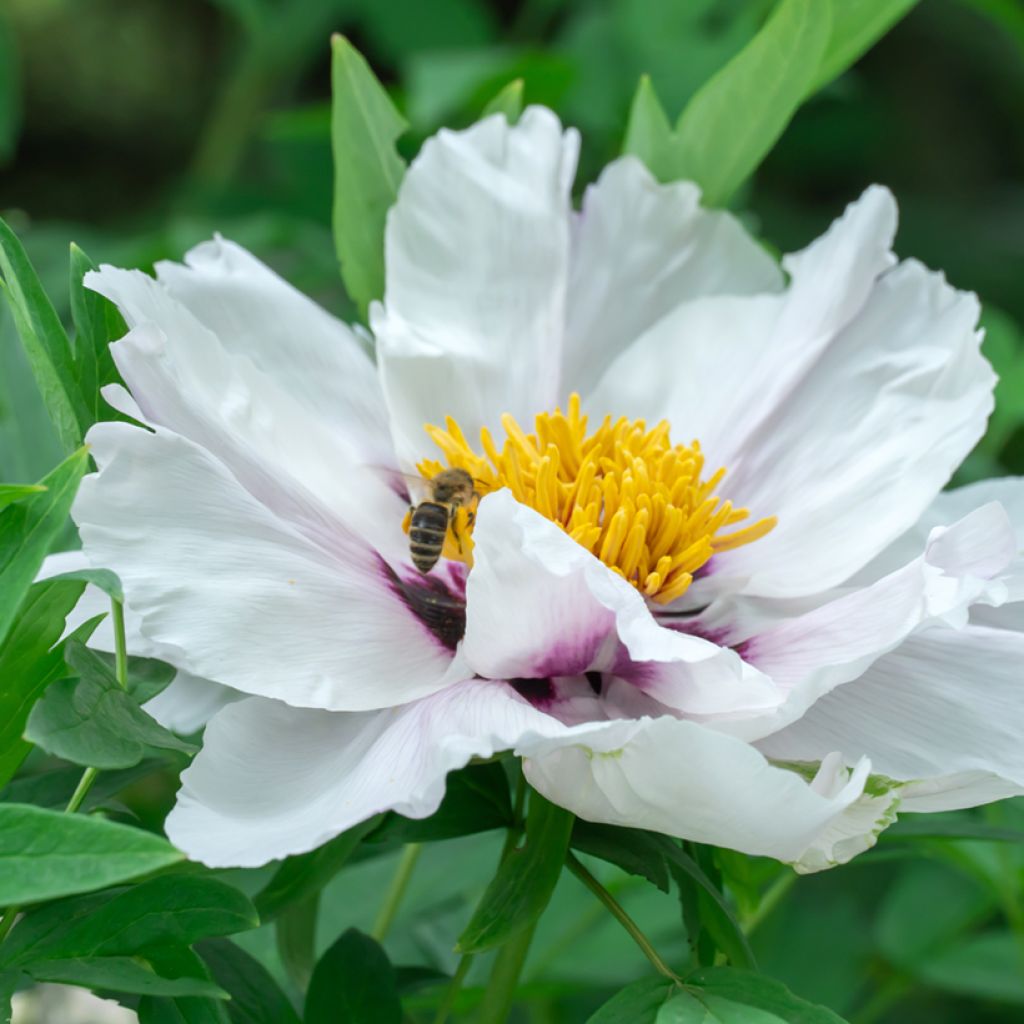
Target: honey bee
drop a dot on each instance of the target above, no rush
(430, 519)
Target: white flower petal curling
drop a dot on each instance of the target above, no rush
(273, 780)
(258, 317)
(841, 407)
(947, 508)
(639, 249)
(683, 779)
(539, 604)
(945, 702)
(835, 644)
(229, 591)
(477, 263)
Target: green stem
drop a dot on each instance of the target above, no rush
(393, 897)
(120, 643)
(83, 787)
(620, 915)
(501, 986)
(771, 899)
(453, 989)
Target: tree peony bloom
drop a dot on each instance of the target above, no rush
(707, 585)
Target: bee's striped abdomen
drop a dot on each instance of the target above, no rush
(427, 530)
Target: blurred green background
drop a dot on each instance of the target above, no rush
(139, 128)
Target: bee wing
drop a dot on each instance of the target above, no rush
(409, 486)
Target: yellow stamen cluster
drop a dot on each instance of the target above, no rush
(626, 493)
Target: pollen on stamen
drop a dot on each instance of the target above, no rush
(624, 492)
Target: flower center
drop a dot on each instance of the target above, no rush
(627, 494)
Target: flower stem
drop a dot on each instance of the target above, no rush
(83, 787)
(396, 890)
(501, 986)
(771, 899)
(453, 988)
(620, 915)
(120, 643)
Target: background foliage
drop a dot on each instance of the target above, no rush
(138, 129)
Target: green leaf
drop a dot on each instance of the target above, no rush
(354, 983)
(44, 340)
(933, 826)
(306, 874)
(476, 800)
(177, 910)
(29, 662)
(685, 1008)
(649, 135)
(638, 853)
(93, 721)
(44, 854)
(519, 892)
(122, 974)
(985, 966)
(856, 26)
(638, 1003)
(733, 121)
(295, 932)
(912, 925)
(508, 102)
(367, 170)
(10, 493)
(184, 1010)
(714, 913)
(29, 528)
(106, 580)
(255, 996)
(9, 982)
(758, 991)
(97, 324)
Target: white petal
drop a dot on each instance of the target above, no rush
(477, 254)
(716, 367)
(947, 508)
(189, 702)
(686, 780)
(955, 792)
(538, 604)
(641, 248)
(868, 438)
(836, 643)
(944, 703)
(229, 591)
(841, 407)
(858, 828)
(257, 316)
(280, 449)
(273, 780)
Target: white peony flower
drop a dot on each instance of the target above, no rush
(775, 680)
